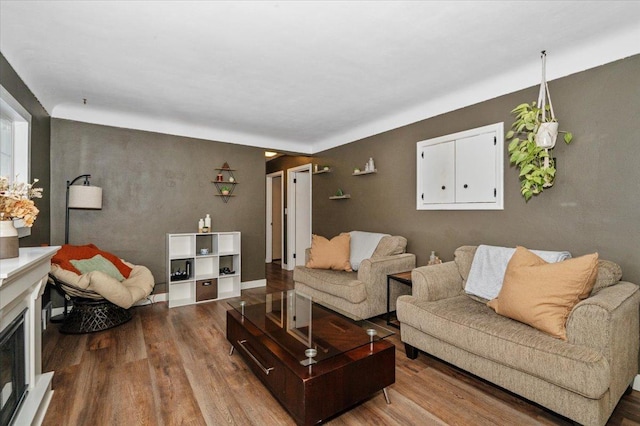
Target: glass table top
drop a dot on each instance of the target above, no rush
(308, 331)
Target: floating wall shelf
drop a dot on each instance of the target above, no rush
(365, 173)
(228, 180)
(340, 197)
(322, 171)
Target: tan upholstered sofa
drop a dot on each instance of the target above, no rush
(582, 378)
(362, 293)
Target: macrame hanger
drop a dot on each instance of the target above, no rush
(541, 93)
(544, 90)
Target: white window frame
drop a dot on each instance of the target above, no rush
(21, 152)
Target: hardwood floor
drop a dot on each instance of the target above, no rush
(172, 366)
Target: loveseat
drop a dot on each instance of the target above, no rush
(582, 377)
(361, 293)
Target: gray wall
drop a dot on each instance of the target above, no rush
(594, 205)
(40, 137)
(154, 184)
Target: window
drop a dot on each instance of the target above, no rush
(15, 142)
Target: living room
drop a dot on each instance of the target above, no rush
(158, 180)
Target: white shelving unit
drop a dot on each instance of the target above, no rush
(194, 275)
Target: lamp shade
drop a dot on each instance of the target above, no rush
(85, 197)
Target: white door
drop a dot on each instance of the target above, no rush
(275, 216)
(299, 214)
(438, 179)
(476, 169)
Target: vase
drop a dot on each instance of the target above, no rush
(8, 240)
(547, 135)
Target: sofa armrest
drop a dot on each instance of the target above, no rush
(372, 268)
(373, 272)
(608, 322)
(435, 282)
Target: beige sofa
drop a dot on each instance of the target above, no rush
(363, 293)
(582, 378)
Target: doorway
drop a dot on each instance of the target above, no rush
(299, 215)
(275, 217)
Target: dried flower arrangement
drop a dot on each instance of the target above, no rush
(16, 200)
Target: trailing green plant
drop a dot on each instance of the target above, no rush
(536, 164)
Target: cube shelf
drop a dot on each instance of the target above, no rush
(202, 267)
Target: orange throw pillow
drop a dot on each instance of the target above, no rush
(543, 294)
(68, 252)
(332, 254)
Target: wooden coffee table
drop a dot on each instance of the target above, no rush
(349, 360)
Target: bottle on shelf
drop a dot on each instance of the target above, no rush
(201, 225)
(207, 223)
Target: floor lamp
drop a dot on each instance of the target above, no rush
(82, 196)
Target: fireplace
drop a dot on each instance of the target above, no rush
(25, 391)
(13, 384)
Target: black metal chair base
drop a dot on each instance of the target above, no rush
(88, 316)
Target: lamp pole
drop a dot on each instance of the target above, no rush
(66, 217)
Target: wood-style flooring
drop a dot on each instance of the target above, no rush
(172, 367)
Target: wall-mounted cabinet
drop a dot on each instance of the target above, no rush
(202, 267)
(461, 171)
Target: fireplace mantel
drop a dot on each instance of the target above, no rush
(22, 282)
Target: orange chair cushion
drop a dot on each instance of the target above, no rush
(69, 252)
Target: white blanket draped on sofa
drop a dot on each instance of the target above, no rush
(489, 265)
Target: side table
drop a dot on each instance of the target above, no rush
(403, 278)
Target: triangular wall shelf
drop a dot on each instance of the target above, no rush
(225, 179)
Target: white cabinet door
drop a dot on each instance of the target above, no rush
(476, 169)
(438, 177)
(461, 171)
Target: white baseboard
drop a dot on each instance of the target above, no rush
(636, 383)
(253, 284)
(152, 298)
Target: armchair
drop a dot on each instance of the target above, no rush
(100, 301)
(363, 293)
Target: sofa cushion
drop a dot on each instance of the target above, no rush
(67, 252)
(475, 328)
(330, 254)
(542, 294)
(338, 283)
(464, 258)
(390, 245)
(97, 263)
(609, 273)
(490, 264)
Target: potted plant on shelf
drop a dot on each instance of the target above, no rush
(225, 190)
(16, 202)
(533, 136)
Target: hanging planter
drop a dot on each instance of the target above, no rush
(548, 127)
(534, 133)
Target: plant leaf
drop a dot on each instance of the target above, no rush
(568, 137)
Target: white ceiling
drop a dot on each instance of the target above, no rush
(297, 76)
